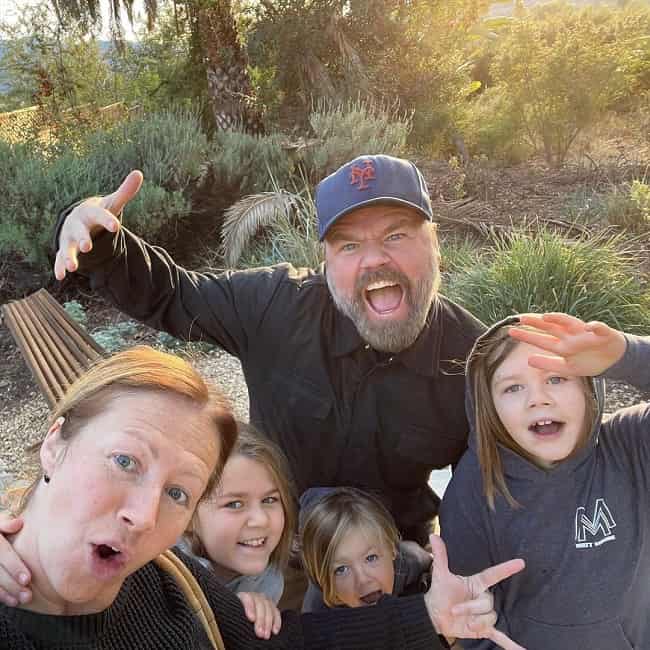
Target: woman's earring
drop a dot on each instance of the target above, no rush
(46, 478)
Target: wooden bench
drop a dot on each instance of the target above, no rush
(55, 347)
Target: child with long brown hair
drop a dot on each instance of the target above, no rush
(548, 479)
(243, 530)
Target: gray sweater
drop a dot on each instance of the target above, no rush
(583, 529)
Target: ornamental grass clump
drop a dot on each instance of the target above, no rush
(594, 277)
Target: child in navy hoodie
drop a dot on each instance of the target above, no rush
(546, 478)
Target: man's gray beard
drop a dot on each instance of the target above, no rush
(391, 336)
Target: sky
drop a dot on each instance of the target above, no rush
(9, 9)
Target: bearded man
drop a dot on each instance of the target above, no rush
(355, 369)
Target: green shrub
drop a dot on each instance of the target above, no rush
(629, 205)
(491, 126)
(115, 337)
(593, 278)
(558, 69)
(35, 183)
(242, 164)
(76, 311)
(155, 209)
(348, 130)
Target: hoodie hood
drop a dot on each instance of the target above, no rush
(513, 464)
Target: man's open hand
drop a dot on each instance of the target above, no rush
(89, 218)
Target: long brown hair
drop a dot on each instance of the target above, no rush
(139, 369)
(254, 446)
(488, 354)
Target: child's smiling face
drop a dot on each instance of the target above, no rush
(542, 411)
(363, 569)
(241, 524)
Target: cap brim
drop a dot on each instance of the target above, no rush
(386, 200)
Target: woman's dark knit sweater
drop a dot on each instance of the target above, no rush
(151, 612)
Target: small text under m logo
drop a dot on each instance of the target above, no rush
(601, 523)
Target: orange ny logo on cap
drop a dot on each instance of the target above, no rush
(363, 174)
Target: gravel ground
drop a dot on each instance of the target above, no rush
(23, 420)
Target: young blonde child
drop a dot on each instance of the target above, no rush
(352, 553)
(548, 479)
(244, 529)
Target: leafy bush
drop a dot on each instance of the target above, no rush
(76, 311)
(348, 130)
(629, 205)
(115, 337)
(36, 183)
(593, 278)
(241, 164)
(491, 126)
(558, 69)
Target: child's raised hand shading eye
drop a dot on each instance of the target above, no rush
(262, 612)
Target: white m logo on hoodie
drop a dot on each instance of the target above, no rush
(602, 522)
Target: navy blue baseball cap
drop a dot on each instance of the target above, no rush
(369, 180)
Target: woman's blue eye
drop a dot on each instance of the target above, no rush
(178, 495)
(124, 462)
(556, 380)
(270, 500)
(373, 557)
(234, 505)
(513, 389)
(340, 570)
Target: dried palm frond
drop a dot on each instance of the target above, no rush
(244, 219)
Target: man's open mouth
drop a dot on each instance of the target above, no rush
(372, 598)
(546, 427)
(384, 296)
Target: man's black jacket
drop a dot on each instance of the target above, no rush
(343, 413)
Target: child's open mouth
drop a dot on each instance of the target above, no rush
(546, 427)
(257, 542)
(372, 598)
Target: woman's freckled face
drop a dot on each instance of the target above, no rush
(121, 491)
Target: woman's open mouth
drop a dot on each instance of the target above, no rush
(384, 296)
(107, 560)
(546, 427)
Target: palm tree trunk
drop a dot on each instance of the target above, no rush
(229, 87)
